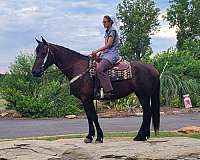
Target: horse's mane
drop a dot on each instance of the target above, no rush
(69, 51)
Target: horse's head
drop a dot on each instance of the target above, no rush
(43, 58)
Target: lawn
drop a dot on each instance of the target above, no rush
(109, 135)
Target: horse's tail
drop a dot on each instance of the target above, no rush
(155, 107)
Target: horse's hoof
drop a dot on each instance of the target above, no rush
(88, 140)
(140, 138)
(99, 140)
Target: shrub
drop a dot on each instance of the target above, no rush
(176, 102)
(47, 96)
(124, 103)
(180, 77)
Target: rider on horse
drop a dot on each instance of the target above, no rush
(109, 55)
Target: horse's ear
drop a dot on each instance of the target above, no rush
(38, 41)
(44, 41)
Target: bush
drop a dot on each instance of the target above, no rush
(195, 99)
(198, 101)
(176, 102)
(37, 97)
(180, 77)
(124, 103)
(192, 45)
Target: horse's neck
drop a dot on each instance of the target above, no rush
(70, 64)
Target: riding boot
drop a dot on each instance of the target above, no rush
(109, 94)
(104, 95)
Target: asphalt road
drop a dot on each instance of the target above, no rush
(43, 127)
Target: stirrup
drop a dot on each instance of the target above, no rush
(101, 93)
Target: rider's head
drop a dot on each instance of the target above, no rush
(107, 22)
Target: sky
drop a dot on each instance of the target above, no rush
(75, 24)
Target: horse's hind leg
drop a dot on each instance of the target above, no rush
(91, 133)
(144, 132)
(91, 113)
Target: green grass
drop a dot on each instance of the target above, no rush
(110, 135)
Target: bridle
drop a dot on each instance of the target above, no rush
(52, 54)
(47, 54)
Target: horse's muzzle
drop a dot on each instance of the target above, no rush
(37, 73)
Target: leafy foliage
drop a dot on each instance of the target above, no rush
(181, 63)
(139, 20)
(37, 97)
(184, 15)
(124, 103)
(181, 75)
(192, 45)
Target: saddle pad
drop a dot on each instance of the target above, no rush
(114, 74)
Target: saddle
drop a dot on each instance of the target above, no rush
(121, 70)
(120, 65)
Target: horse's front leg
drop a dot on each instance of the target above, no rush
(144, 132)
(92, 115)
(91, 134)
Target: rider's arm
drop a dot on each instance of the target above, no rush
(106, 46)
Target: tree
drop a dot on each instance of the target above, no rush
(184, 15)
(139, 19)
(47, 96)
(193, 46)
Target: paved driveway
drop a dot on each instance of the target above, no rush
(30, 128)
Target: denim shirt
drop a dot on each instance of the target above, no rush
(112, 53)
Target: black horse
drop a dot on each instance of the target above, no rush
(145, 83)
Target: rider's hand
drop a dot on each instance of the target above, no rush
(94, 53)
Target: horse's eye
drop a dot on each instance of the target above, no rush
(44, 53)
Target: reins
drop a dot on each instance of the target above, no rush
(67, 68)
